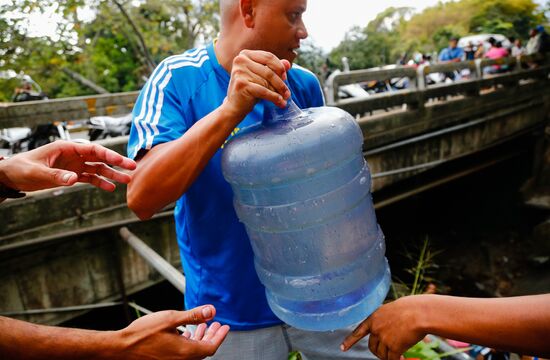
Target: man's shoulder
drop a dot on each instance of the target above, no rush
(191, 62)
(303, 75)
(183, 73)
(306, 83)
(301, 71)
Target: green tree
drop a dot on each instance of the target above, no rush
(116, 49)
(376, 44)
(395, 34)
(311, 57)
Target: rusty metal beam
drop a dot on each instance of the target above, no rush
(61, 309)
(170, 273)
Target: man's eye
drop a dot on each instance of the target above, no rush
(294, 16)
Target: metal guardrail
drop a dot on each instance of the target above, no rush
(417, 77)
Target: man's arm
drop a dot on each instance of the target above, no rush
(63, 163)
(520, 324)
(165, 172)
(151, 337)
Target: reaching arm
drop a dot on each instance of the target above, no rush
(63, 163)
(169, 169)
(151, 337)
(520, 324)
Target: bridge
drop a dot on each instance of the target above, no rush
(60, 250)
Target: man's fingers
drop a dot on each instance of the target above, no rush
(202, 349)
(61, 177)
(267, 59)
(262, 92)
(219, 335)
(373, 345)
(97, 182)
(274, 80)
(393, 355)
(107, 171)
(382, 351)
(97, 153)
(360, 332)
(286, 64)
(197, 315)
(199, 332)
(211, 331)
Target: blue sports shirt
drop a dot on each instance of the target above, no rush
(216, 253)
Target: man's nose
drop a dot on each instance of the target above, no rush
(302, 31)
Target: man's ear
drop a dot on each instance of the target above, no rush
(247, 12)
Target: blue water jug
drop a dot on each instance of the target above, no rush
(302, 189)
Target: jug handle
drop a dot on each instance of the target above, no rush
(276, 113)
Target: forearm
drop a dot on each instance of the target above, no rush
(168, 170)
(22, 340)
(519, 324)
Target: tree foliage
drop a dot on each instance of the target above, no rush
(119, 41)
(395, 33)
(373, 45)
(115, 47)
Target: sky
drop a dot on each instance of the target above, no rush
(328, 20)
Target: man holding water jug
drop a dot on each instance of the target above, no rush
(191, 105)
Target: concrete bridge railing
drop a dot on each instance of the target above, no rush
(31, 113)
(60, 248)
(419, 92)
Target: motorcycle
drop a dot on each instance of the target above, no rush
(20, 139)
(102, 127)
(29, 91)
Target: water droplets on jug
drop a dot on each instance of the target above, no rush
(304, 240)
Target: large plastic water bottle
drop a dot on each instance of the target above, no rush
(302, 188)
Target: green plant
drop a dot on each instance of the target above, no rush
(423, 266)
(427, 351)
(421, 270)
(295, 355)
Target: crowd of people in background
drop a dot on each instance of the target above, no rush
(483, 47)
(489, 48)
(493, 48)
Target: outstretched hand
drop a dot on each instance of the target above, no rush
(63, 163)
(393, 329)
(155, 336)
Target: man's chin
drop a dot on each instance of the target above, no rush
(290, 56)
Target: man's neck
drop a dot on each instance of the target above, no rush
(226, 50)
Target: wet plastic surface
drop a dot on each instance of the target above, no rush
(302, 188)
